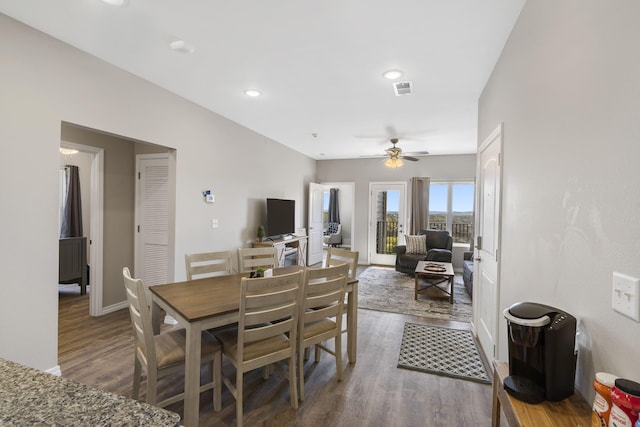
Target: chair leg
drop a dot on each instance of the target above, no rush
(217, 381)
(137, 373)
(317, 354)
(338, 354)
(293, 384)
(239, 377)
(301, 360)
(152, 385)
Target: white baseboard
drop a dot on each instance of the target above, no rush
(115, 307)
(55, 371)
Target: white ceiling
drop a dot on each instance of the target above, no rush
(318, 64)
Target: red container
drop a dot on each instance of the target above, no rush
(625, 403)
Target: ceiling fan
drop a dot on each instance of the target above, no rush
(396, 156)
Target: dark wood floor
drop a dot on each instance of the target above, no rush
(99, 352)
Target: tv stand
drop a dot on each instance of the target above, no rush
(286, 246)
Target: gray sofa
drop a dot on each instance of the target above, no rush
(467, 272)
(439, 244)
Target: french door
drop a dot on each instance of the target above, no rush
(387, 207)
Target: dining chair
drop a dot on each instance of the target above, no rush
(321, 315)
(337, 256)
(250, 259)
(208, 264)
(164, 354)
(267, 331)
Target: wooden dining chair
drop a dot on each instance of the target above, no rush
(208, 264)
(337, 256)
(250, 259)
(321, 315)
(164, 354)
(267, 331)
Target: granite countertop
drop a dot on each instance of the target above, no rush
(29, 397)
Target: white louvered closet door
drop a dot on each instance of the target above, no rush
(152, 257)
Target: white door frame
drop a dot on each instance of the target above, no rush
(402, 218)
(494, 138)
(96, 240)
(314, 221)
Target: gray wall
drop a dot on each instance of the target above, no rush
(364, 171)
(44, 83)
(567, 89)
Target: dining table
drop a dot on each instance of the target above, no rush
(211, 302)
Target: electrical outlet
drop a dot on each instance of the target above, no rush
(625, 297)
(214, 223)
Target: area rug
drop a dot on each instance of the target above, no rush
(441, 351)
(384, 289)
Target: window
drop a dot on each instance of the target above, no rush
(451, 209)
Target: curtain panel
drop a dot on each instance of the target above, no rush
(334, 209)
(419, 214)
(72, 213)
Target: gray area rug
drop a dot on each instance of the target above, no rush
(384, 289)
(441, 351)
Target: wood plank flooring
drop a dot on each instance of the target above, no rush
(99, 352)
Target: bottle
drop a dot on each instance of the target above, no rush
(625, 403)
(602, 402)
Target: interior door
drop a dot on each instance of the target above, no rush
(387, 207)
(487, 253)
(152, 217)
(314, 249)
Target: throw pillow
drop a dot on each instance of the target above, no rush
(416, 244)
(332, 228)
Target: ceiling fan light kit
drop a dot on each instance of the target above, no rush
(393, 162)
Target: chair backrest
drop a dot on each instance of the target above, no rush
(269, 308)
(323, 295)
(208, 264)
(250, 259)
(438, 239)
(337, 256)
(140, 319)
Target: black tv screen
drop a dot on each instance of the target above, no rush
(280, 217)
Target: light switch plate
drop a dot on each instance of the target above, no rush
(214, 223)
(625, 296)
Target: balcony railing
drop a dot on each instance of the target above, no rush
(462, 233)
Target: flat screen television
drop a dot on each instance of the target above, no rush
(280, 217)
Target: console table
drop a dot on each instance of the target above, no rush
(572, 411)
(284, 247)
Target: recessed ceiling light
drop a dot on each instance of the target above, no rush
(252, 92)
(182, 46)
(392, 74)
(116, 2)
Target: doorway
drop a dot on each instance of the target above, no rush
(95, 234)
(387, 218)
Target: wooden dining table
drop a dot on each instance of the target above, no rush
(202, 304)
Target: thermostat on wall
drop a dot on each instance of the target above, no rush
(208, 197)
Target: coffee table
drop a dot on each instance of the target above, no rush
(436, 275)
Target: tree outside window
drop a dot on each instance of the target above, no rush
(451, 209)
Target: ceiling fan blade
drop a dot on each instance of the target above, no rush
(411, 159)
(417, 153)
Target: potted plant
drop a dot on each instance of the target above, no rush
(260, 272)
(260, 233)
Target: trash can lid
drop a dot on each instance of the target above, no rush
(529, 314)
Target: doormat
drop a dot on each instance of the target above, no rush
(441, 351)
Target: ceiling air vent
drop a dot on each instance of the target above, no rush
(402, 88)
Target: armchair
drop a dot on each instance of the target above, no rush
(439, 244)
(333, 234)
